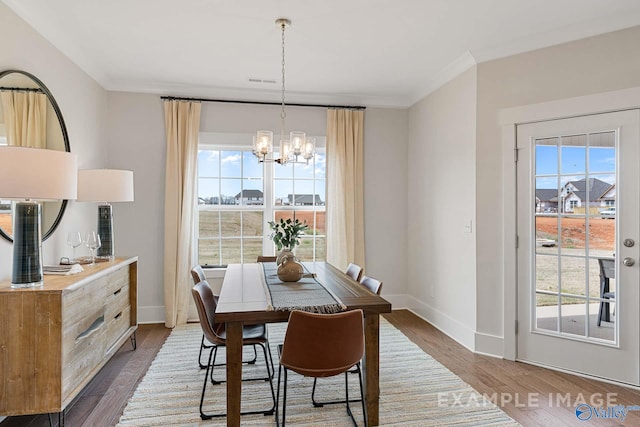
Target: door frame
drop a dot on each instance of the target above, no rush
(508, 119)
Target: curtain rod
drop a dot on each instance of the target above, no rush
(235, 101)
(22, 89)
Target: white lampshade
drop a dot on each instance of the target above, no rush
(105, 185)
(37, 174)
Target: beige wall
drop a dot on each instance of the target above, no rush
(598, 64)
(441, 201)
(83, 104)
(385, 201)
(137, 142)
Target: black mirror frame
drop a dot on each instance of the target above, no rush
(65, 137)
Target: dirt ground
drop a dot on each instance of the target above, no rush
(602, 232)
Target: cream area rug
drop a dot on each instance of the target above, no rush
(415, 390)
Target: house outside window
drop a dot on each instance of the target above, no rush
(237, 196)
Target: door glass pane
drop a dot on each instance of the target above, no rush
(572, 275)
(547, 156)
(547, 312)
(575, 227)
(573, 235)
(573, 154)
(574, 311)
(546, 273)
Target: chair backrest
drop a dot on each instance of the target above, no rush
(206, 304)
(264, 258)
(198, 274)
(374, 285)
(354, 271)
(323, 345)
(607, 268)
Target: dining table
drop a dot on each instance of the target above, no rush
(245, 299)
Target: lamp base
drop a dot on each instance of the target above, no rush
(105, 231)
(27, 246)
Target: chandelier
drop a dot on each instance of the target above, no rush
(298, 148)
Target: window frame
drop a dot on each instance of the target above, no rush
(238, 142)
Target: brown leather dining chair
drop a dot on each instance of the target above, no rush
(215, 333)
(354, 271)
(197, 274)
(374, 285)
(320, 346)
(266, 258)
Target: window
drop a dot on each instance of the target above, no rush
(238, 196)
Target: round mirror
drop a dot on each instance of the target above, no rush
(30, 116)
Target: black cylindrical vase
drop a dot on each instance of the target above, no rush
(27, 246)
(105, 231)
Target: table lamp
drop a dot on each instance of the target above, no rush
(105, 186)
(27, 175)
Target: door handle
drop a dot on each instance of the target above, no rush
(628, 261)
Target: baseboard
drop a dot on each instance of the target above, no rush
(489, 345)
(457, 331)
(476, 342)
(151, 314)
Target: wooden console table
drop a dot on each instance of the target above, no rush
(54, 339)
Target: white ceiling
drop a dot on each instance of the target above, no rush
(366, 52)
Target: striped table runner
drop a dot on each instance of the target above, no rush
(307, 294)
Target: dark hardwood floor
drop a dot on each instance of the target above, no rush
(531, 395)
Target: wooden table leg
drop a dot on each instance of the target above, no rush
(372, 366)
(234, 372)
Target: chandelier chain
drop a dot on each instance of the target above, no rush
(282, 113)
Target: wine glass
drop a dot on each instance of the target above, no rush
(92, 241)
(74, 240)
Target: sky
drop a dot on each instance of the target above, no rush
(552, 160)
(241, 170)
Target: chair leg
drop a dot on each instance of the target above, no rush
(278, 396)
(204, 388)
(255, 356)
(269, 378)
(209, 374)
(333, 402)
(600, 313)
(202, 347)
(284, 397)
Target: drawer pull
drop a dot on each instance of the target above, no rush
(118, 291)
(94, 326)
(118, 315)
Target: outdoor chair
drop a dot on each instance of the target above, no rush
(215, 333)
(320, 346)
(607, 271)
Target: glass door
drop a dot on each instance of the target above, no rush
(578, 187)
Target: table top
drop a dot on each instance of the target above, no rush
(243, 297)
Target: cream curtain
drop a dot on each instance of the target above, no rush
(25, 118)
(345, 187)
(182, 123)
